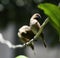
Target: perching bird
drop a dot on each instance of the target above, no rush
(35, 26)
(25, 34)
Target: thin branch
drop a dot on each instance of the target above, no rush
(39, 32)
(10, 45)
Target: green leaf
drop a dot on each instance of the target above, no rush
(21, 56)
(53, 12)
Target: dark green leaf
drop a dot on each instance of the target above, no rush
(53, 12)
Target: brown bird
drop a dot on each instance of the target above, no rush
(35, 26)
(25, 34)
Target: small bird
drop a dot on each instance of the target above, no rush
(25, 34)
(35, 26)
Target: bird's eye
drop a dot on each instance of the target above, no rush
(37, 17)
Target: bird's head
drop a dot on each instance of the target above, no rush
(34, 19)
(23, 30)
(36, 16)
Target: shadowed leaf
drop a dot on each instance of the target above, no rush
(53, 12)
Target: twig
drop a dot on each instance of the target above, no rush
(39, 32)
(10, 45)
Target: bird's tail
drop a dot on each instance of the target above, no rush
(43, 40)
(31, 45)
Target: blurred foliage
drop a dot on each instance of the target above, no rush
(19, 11)
(53, 12)
(21, 56)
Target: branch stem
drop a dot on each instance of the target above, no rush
(10, 45)
(39, 32)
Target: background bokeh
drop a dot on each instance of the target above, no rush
(16, 13)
